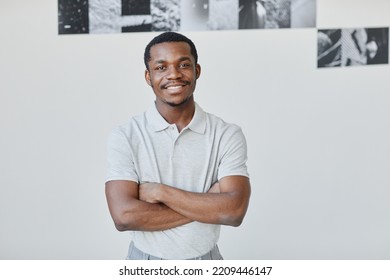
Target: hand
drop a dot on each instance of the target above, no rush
(215, 188)
(148, 192)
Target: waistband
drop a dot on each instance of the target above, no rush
(136, 254)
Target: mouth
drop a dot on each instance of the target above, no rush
(175, 86)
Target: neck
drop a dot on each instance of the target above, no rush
(180, 115)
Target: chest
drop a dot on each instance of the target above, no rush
(189, 160)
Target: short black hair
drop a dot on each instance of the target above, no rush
(167, 37)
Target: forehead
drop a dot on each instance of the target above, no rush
(169, 51)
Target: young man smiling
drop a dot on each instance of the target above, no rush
(176, 173)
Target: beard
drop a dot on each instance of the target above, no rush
(184, 101)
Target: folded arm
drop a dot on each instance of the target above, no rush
(228, 207)
(130, 213)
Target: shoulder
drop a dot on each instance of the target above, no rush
(137, 122)
(220, 126)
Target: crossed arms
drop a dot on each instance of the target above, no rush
(154, 206)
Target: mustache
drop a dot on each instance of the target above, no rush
(179, 82)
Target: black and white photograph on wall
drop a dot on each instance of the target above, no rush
(365, 46)
(139, 12)
(194, 15)
(165, 15)
(223, 15)
(118, 16)
(104, 16)
(303, 13)
(329, 48)
(258, 14)
(73, 17)
(352, 47)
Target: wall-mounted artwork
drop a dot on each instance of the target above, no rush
(73, 17)
(352, 47)
(117, 16)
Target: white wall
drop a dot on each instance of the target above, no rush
(319, 152)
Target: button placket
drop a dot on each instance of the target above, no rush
(174, 135)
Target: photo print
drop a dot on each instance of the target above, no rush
(194, 15)
(258, 14)
(165, 15)
(73, 17)
(352, 47)
(303, 13)
(140, 14)
(117, 16)
(223, 15)
(365, 46)
(329, 48)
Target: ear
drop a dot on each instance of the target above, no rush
(147, 77)
(198, 70)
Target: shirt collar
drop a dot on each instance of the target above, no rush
(198, 122)
(158, 123)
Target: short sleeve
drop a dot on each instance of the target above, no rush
(234, 156)
(120, 164)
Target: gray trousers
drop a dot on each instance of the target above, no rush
(136, 254)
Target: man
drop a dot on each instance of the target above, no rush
(176, 173)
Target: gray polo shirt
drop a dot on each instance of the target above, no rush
(149, 149)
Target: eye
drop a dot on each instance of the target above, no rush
(185, 65)
(160, 68)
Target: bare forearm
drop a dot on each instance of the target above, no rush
(130, 213)
(225, 203)
(145, 216)
(213, 208)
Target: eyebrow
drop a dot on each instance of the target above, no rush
(183, 58)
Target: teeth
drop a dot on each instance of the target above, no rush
(174, 87)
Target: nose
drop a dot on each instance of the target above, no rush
(173, 73)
